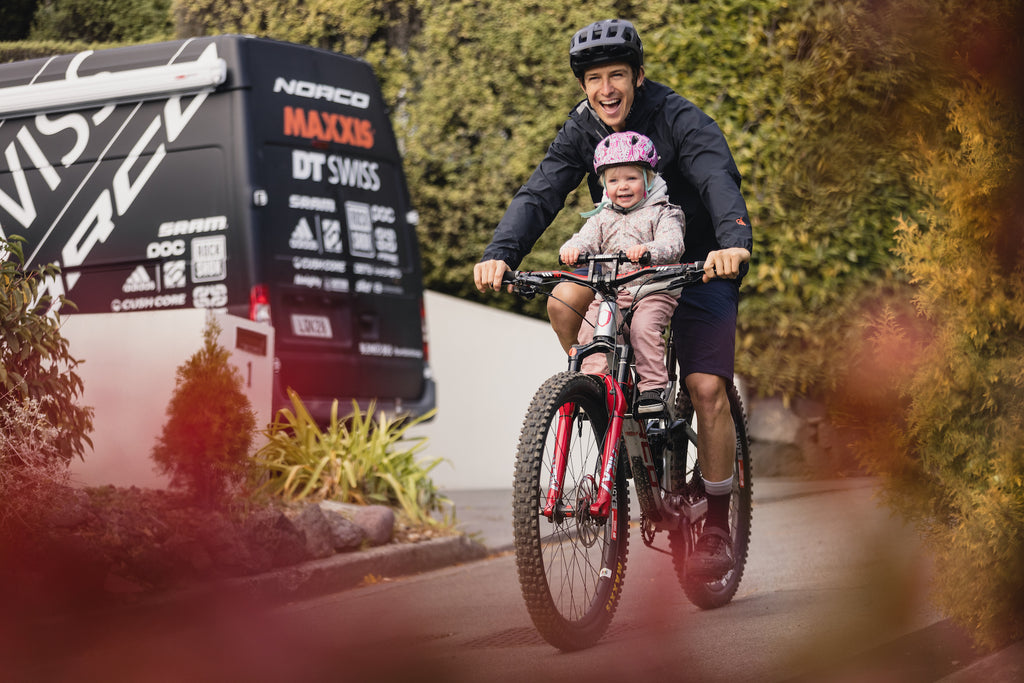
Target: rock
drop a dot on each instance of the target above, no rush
(378, 521)
(319, 536)
(275, 535)
(227, 548)
(347, 535)
(771, 421)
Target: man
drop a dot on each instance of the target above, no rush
(607, 59)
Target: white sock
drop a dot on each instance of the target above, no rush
(718, 488)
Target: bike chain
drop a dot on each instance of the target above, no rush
(647, 529)
(648, 532)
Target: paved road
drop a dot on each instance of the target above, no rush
(835, 590)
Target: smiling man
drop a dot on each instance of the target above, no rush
(607, 58)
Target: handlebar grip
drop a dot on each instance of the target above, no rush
(583, 258)
(509, 277)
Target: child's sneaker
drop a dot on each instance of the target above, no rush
(651, 401)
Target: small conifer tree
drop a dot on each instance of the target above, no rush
(205, 442)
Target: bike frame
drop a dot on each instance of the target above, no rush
(665, 512)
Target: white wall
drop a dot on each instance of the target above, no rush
(488, 364)
(129, 373)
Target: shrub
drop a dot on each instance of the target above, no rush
(954, 461)
(361, 458)
(30, 467)
(35, 361)
(102, 20)
(205, 442)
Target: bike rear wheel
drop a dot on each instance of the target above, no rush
(571, 565)
(713, 594)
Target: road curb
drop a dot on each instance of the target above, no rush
(344, 571)
(1003, 666)
(336, 573)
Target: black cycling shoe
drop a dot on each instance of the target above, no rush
(712, 556)
(651, 401)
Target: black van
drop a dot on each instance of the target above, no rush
(245, 175)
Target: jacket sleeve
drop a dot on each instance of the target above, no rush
(536, 204)
(667, 245)
(588, 240)
(707, 163)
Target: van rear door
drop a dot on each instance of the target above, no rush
(335, 234)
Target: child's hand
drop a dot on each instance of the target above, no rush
(635, 252)
(569, 255)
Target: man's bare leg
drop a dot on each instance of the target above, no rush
(566, 307)
(716, 446)
(716, 433)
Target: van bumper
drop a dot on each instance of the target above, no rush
(320, 409)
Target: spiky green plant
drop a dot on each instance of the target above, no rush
(364, 458)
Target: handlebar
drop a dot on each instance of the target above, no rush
(617, 258)
(668, 277)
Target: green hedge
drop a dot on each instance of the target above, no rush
(34, 49)
(940, 386)
(479, 88)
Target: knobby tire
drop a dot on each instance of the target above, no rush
(570, 568)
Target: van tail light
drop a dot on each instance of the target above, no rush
(259, 304)
(423, 325)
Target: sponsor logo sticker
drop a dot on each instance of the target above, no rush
(321, 91)
(174, 274)
(194, 226)
(301, 201)
(303, 237)
(331, 229)
(209, 259)
(360, 229)
(139, 281)
(210, 296)
(328, 127)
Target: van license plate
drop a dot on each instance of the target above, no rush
(311, 326)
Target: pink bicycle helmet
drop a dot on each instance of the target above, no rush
(619, 149)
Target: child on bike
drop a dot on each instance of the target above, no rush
(633, 217)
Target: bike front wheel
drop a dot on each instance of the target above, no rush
(570, 564)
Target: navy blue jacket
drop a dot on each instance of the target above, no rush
(695, 162)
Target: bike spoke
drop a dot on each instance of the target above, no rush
(561, 561)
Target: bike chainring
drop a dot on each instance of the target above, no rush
(647, 529)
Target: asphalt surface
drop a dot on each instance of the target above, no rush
(484, 516)
(484, 519)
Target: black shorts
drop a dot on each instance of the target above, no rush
(704, 328)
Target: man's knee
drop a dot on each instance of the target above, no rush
(567, 306)
(707, 393)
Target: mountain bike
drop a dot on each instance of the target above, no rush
(580, 444)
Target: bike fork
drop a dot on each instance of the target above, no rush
(601, 506)
(557, 475)
(609, 457)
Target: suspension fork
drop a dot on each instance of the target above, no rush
(605, 329)
(556, 477)
(610, 454)
(616, 401)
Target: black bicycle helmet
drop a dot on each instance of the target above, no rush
(604, 42)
